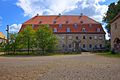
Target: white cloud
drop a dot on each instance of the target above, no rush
(90, 8)
(14, 28)
(0, 21)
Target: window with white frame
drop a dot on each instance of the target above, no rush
(75, 26)
(83, 30)
(98, 29)
(55, 29)
(60, 25)
(95, 37)
(68, 30)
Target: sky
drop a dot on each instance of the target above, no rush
(16, 12)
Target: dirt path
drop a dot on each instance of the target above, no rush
(70, 67)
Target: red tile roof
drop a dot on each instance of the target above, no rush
(67, 21)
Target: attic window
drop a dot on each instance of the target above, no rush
(90, 25)
(40, 22)
(98, 29)
(81, 22)
(75, 25)
(33, 25)
(67, 22)
(60, 25)
(54, 21)
(83, 30)
(68, 29)
(55, 29)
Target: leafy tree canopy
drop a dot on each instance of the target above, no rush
(113, 10)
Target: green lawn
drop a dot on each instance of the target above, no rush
(108, 54)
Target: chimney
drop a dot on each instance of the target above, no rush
(81, 14)
(59, 14)
(37, 15)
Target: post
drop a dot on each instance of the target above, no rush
(7, 37)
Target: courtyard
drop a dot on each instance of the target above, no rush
(83, 66)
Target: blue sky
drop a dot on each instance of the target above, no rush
(15, 12)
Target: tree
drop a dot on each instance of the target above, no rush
(26, 38)
(45, 38)
(113, 10)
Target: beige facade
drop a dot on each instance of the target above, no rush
(85, 42)
(115, 33)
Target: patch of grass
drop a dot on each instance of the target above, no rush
(109, 54)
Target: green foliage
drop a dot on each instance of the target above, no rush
(45, 38)
(113, 10)
(30, 40)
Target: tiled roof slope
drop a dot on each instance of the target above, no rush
(66, 21)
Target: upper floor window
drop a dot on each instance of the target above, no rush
(83, 45)
(95, 37)
(83, 37)
(90, 25)
(98, 30)
(83, 30)
(55, 29)
(90, 46)
(75, 25)
(60, 25)
(33, 25)
(77, 37)
(54, 21)
(70, 37)
(68, 29)
(100, 37)
(90, 37)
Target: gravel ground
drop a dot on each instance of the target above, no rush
(70, 67)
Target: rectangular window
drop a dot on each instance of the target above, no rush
(90, 25)
(98, 30)
(83, 30)
(55, 29)
(83, 45)
(68, 29)
(90, 37)
(60, 25)
(95, 37)
(90, 46)
(83, 37)
(75, 26)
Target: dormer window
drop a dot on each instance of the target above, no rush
(83, 30)
(33, 25)
(75, 26)
(55, 29)
(67, 22)
(54, 21)
(98, 30)
(81, 22)
(60, 25)
(40, 22)
(90, 25)
(68, 29)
